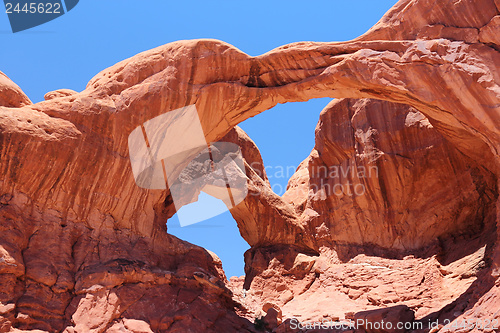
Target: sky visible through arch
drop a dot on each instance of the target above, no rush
(68, 51)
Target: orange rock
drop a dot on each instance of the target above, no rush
(385, 320)
(10, 93)
(59, 93)
(84, 249)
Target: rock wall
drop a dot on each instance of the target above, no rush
(86, 250)
(382, 175)
(398, 216)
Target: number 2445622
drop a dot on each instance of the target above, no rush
(33, 8)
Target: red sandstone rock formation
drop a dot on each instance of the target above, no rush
(388, 244)
(83, 249)
(10, 93)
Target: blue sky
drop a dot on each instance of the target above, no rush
(68, 51)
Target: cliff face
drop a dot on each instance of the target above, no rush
(397, 216)
(388, 178)
(83, 249)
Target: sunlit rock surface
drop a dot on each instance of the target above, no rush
(84, 249)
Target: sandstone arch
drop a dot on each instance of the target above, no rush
(79, 186)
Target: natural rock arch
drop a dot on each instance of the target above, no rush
(444, 64)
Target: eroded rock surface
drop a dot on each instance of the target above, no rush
(10, 93)
(83, 249)
(393, 243)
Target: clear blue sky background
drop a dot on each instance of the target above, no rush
(68, 51)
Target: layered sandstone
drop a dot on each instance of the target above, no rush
(83, 249)
(416, 231)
